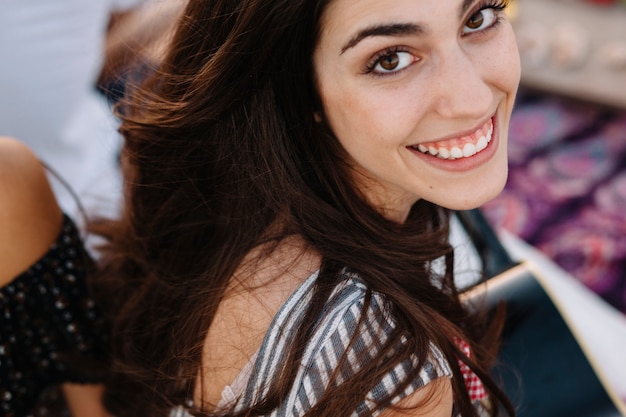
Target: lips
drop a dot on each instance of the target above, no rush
(462, 147)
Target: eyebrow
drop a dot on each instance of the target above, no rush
(396, 29)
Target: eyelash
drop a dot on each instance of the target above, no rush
(497, 6)
(371, 65)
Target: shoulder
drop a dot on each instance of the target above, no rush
(29, 215)
(26, 193)
(362, 328)
(357, 324)
(353, 329)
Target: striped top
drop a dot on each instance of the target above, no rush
(330, 341)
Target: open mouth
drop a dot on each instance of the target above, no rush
(457, 148)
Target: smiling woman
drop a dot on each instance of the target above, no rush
(290, 169)
(395, 78)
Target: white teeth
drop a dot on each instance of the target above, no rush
(456, 152)
(482, 143)
(469, 149)
(443, 153)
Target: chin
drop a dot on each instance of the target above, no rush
(469, 201)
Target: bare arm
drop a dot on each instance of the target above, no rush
(85, 400)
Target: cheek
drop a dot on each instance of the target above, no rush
(348, 114)
(507, 67)
(498, 61)
(370, 116)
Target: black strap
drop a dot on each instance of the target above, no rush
(493, 254)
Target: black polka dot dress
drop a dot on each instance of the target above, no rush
(50, 329)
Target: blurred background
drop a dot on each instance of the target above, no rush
(566, 193)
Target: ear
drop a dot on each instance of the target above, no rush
(317, 116)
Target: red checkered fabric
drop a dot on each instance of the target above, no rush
(473, 384)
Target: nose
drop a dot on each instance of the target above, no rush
(461, 88)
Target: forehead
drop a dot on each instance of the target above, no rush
(343, 17)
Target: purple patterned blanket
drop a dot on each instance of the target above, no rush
(566, 193)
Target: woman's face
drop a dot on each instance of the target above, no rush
(420, 93)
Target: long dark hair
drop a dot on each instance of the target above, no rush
(221, 147)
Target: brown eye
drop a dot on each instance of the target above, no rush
(481, 20)
(390, 62)
(476, 20)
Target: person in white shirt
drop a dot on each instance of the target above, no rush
(52, 53)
